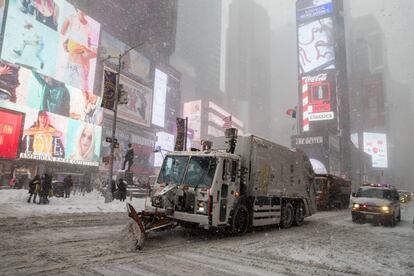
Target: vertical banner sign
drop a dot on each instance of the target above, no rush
(305, 103)
(10, 132)
(108, 98)
(181, 132)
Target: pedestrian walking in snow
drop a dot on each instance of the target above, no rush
(122, 189)
(34, 187)
(113, 188)
(67, 185)
(45, 188)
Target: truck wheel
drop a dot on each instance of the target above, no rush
(287, 215)
(240, 219)
(299, 214)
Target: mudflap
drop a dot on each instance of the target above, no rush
(148, 221)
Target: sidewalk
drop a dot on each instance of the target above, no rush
(13, 203)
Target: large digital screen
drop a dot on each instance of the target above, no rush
(165, 143)
(11, 124)
(307, 9)
(53, 38)
(192, 110)
(47, 73)
(318, 98)
(134, 63)
(316, 45)
(52, 137)
(159, 101)
(375, 144)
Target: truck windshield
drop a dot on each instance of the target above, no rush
(200, 171)
(172, 170)
(374, 193)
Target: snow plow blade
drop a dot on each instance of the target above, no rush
(148, 221)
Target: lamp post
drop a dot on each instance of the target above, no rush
(108, 197)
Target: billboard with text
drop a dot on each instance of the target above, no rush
(375, 144)
(11, 124)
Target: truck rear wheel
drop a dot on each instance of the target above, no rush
(240, 219)
(299, 214)
(287, 215)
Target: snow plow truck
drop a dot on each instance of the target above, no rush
(235, 185)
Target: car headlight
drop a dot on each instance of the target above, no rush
(355, 206)
(202, 207)
(385, 209)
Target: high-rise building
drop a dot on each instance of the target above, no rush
(198, 49)
(247, 72)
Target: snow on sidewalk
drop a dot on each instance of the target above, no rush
(13, 203)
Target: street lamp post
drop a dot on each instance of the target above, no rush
(108, 197)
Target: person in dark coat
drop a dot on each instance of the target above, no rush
(45, 188)
(113, 188)
(34, 187)
(122, 189)
(67, 185)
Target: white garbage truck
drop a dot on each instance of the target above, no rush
(232, 183)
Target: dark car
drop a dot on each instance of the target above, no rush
(58, 188)
(377, 203)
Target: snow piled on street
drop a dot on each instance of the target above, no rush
(13, 203)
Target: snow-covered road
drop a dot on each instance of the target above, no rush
(91, 243)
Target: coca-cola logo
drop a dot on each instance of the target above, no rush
(317, 78)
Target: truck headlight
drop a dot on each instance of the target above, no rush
(202, 207)
(355, 206)
(385, 209)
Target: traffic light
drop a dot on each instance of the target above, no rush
(109, 140)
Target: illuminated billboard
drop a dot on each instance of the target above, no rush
(313, 8)
(159, 100)
(316, 45)
(51, 137)
(165, 143)
(318, 98)
(53, 38)
(11, 124)
(375, 144)
(192, 110)
(48, 67)
(135, 63)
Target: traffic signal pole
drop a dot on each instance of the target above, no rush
(108, 196)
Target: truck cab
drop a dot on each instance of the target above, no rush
(198, 187)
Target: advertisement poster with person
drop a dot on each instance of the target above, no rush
(53, 38)
(79, 39)
(138, 108)
(86, 141)
(44, 135)
(27, 41)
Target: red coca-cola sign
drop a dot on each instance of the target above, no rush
(11, 127)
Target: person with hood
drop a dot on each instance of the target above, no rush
(122, 189)
(34, 188)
